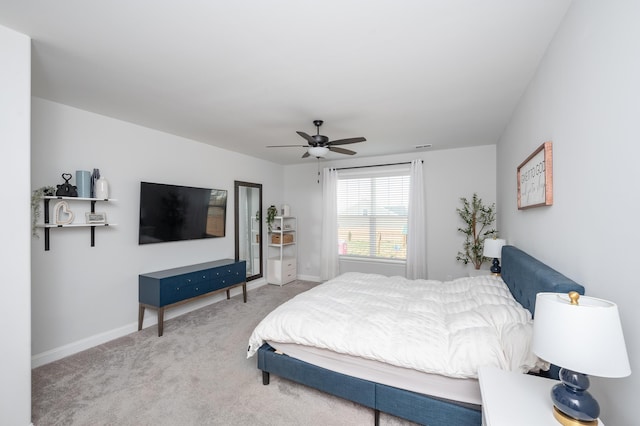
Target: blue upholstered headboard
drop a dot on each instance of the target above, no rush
(527, 276)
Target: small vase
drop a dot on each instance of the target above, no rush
(83, 183)
(101, 189)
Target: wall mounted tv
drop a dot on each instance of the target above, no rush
(176, 213)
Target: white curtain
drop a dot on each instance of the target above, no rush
(329, 267)
(416, 229)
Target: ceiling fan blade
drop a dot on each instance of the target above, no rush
(341, 150)
(305, 155)
(346, 141)
(307, 137)
(283, 146)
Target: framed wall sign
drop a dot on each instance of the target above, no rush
(96, 217)
(535, 178)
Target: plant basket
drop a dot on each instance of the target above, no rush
(281, 238)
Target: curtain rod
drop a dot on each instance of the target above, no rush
(374, 165)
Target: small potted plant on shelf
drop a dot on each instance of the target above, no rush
(478, 220)
(272, 211)
(36, 197)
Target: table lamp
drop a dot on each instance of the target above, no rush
(493, 248)
(581, 335)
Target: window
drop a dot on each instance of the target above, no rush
(372, 212)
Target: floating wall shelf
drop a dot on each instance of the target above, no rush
(47, 225)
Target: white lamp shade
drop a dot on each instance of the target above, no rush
(318, 151)
(586, 338)
(493, 247)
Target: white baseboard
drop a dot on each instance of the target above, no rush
(151, 319)
(309, 278)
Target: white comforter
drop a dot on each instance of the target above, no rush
(448, 328)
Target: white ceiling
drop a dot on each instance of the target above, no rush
(245, 74)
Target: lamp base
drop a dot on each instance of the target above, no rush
(565, 420)
(571, 398)
(495, 266)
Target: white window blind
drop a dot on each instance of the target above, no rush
(372, 212)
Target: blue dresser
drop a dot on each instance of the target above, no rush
(171, 287)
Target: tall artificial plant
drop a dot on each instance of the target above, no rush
(478, 220)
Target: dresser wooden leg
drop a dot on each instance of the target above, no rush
(140, 316)
(160, 321)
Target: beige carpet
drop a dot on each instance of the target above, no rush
(196, 374)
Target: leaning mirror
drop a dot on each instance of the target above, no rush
(248, 226)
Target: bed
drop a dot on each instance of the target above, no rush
(407, 386)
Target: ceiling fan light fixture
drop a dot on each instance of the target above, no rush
(319, 145)
(318, 151)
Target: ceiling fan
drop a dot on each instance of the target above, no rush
(319, 145)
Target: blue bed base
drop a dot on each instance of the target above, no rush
(525, 276)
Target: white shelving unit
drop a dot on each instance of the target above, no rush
(282, 256)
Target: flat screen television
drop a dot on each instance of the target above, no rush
(176, 213)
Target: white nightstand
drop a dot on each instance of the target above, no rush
(477, 272)
(516, 399)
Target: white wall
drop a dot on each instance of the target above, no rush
(586, 98)
(82, 295)
(449, 175)
(15, 368)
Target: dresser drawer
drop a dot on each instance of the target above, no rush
(193, 278)
(176, 292)
(223, 271)
(181, 287)
(289, 265)
(282, 271)
(229, 275)
(289, 275)
(203, 287)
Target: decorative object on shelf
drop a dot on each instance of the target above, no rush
(286, 210)
(62, 213)
(581, 335)
(36, 197)
(493, 249)
(83, 183)
(101, 189)
(272, 211)
(66, 189)
(95, 175)
(477, 218)
(95, 217)
(281, 239)
(535, 178)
